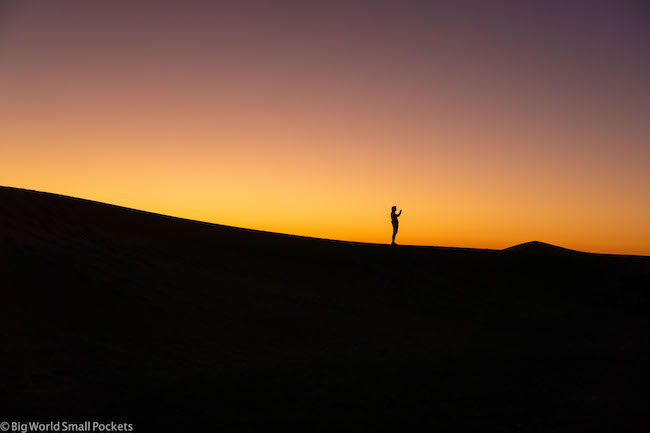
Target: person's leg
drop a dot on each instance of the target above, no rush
(394, 231)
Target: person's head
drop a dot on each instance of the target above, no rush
(394, 208)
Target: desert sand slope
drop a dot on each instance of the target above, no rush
(113, 314)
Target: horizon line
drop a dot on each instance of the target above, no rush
(313, 237)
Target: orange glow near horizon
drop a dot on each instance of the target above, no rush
(320, 138)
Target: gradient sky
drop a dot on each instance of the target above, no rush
(490, 123)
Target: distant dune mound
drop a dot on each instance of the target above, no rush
(539, 248)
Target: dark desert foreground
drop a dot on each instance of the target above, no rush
(173, 325)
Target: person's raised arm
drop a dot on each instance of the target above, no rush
(400, 212)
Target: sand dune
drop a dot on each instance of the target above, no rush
(177, 325)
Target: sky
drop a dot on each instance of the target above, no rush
(489, 123)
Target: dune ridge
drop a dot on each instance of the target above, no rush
(119, 314)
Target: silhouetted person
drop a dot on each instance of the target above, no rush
(393, 219)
